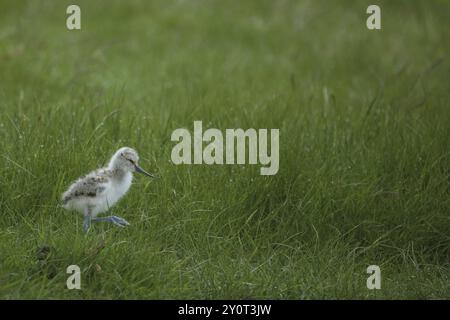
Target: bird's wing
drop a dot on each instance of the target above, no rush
(92, 185)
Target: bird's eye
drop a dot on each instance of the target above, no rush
(131, 161)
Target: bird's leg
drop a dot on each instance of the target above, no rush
(87, 220)
(118, 221)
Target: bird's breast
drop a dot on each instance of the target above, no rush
(119, 188)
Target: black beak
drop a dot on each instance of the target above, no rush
(140, 170)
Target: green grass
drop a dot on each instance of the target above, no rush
(364, 125)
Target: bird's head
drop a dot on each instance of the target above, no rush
(127, 159)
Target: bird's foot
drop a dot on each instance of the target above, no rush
(118, 221)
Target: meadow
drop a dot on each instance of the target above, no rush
(364, 173)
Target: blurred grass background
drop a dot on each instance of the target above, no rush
(364, 148)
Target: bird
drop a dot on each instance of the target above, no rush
(99, 190)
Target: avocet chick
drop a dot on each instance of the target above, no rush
(101, 189)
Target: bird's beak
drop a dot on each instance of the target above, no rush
(140, 170)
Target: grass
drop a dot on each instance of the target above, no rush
(364, 148)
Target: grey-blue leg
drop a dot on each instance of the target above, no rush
(86, 223)
(87, 219)
(118, 221)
